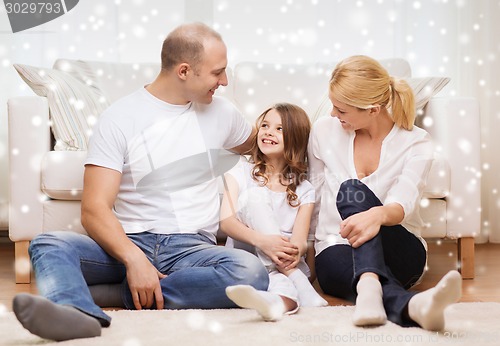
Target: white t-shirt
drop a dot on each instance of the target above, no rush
(400, 177)
(284, 213)
(170, 157)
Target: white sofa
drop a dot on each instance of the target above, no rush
(45, 185)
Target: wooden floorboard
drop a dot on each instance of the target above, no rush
(442, 257)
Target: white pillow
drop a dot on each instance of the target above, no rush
(423, 90)
(74, 106)
(426, 87)
(80, 70)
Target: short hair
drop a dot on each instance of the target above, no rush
(361, 82)
(185, 44)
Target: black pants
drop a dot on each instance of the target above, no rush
(395, 254)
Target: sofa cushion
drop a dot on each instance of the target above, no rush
(62, 174)
(74, 106)
(79, 69)
(425, 88)
(115, 80)
(433, 213)
(439, 178)
(257, 86)
(62, 215)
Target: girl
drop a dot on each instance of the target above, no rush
(266, 210)
(369, 164)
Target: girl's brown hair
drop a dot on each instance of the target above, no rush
(296, 127)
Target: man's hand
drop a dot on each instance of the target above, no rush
(144, 283)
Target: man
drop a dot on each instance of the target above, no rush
(150, 203)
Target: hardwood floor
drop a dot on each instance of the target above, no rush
(442, 258)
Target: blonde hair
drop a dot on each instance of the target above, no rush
(362, 82)
(296, 128)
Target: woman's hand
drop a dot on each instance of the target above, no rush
(361, 227)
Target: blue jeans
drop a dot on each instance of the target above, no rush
(65, 263)
(395, 254)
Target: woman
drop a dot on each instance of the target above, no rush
(369, 164)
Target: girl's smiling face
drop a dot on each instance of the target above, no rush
(270, 135)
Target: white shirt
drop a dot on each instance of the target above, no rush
(170, 157)
(405, 160)
(284, 213)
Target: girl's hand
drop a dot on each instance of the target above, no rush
(292, 264)
(361, 227)
(278, 248)
(289, 264)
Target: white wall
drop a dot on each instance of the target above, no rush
(455, 38)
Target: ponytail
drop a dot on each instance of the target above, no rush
(402, 103)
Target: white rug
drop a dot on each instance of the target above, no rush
(472, 324)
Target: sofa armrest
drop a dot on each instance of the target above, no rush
(455, 129)
(29, 140)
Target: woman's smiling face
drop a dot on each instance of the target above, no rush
(351, 118)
